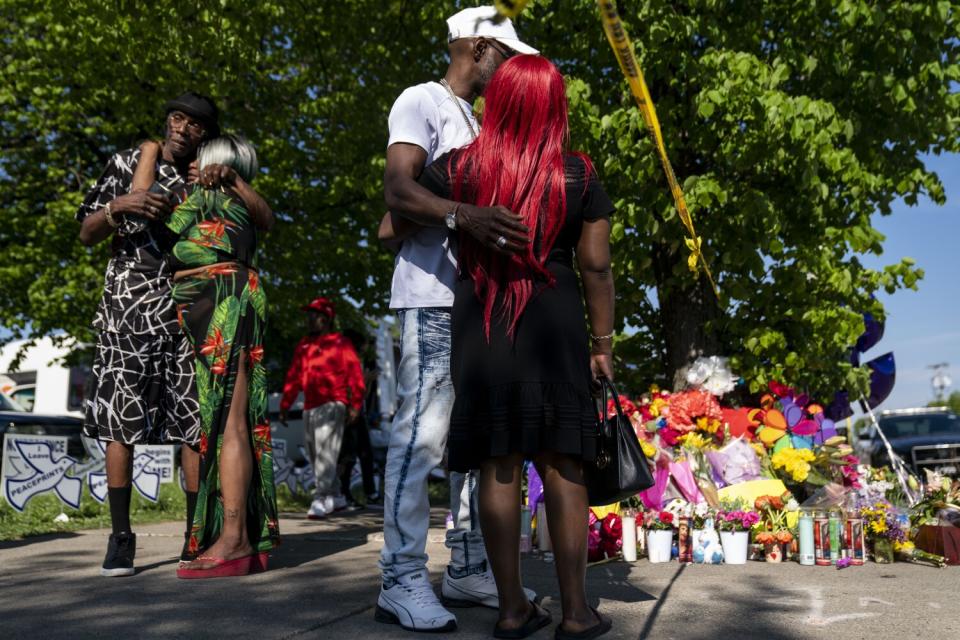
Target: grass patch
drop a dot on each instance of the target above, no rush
(37, 518)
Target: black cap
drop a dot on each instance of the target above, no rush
(199, 107)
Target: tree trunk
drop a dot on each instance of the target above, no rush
(687, 307)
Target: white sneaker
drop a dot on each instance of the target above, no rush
(320, 508)
(476, 589)
(412, 604)
(339, 503)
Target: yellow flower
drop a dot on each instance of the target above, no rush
(794, 461)
(654, 389)
(695, 441)
(648, 449)
(656, 406)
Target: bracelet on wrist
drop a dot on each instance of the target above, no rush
(108, 214)
(599, 338)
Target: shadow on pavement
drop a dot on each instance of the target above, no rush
(13, 544)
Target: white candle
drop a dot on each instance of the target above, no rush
(629, 528)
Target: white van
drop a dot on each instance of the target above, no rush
(42, 383)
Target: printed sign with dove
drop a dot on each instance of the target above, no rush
(33, 465)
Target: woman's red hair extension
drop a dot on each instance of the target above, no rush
(517, 161)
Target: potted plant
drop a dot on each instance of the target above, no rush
(735, 533)
(659, 526)
(774, 534)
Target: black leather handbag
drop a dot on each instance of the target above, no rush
(620, 469)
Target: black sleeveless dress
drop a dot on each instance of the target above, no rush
(530, 394)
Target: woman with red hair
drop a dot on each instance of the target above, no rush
(522, 360)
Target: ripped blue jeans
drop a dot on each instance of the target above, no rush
(418, 438)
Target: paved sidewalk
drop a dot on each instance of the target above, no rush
(323, 584)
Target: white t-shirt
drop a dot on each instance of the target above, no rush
(426, 267)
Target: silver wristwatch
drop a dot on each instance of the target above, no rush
(451, 219)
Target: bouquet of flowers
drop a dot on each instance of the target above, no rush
(658, 520)
(773, 514)
(881, 523)
(712, 374)
(604, 537)
(908, 552)
(940, 502)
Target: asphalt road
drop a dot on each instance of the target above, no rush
(323, 584)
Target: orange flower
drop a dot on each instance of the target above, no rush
(214, 227)
(766, 538)
(253, 280)
(784, 536)
(221, 270)
(262, 432)
(256, 354)
(214, 344)
(219, 367)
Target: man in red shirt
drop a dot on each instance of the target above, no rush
(327, 370)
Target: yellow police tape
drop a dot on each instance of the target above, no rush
(510, 8)
(622, 48)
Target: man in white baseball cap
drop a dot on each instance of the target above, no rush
(426, 121)
(486, 22)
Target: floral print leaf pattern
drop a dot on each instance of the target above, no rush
(192, 253)
(184, 214)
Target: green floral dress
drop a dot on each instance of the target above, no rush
(222, 311)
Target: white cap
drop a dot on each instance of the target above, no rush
(486, 22)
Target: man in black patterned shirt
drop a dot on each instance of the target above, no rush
(143, 385)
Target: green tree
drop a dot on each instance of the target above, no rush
(791, 123)
(310, 83)
(952, 401)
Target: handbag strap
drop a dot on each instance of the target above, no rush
(606, 385)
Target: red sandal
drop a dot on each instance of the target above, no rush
(220, 569)
(258, 562)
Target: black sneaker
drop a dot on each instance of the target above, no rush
(120, 552)
(375, 501)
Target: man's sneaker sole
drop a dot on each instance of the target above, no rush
(386, 617)
(117, 573)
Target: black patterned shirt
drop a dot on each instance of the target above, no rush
(136, 289)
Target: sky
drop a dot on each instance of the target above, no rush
(923, 326)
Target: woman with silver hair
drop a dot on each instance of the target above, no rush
(221, 307)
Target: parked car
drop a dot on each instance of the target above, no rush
(42, 381)
(15, 419)
(926, 438)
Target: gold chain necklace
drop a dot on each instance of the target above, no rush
(456, 101)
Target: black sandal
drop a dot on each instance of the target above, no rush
(538, 619)
(597, 630)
